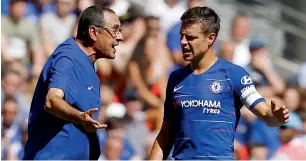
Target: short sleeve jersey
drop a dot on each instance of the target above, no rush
(50, 137)
(205, 109)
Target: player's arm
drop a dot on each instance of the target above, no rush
(272, 115)
(165, 138)
(56, 104)
(163, 143)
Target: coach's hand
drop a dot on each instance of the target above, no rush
(89, 124)
(281, 113)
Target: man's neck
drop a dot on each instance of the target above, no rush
(88, 50)
(204, 63)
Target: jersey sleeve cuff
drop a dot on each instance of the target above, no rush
(257, 102)
(61, 86)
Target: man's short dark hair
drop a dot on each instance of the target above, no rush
(91, 16)
(206, 16)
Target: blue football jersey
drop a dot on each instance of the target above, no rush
(205, 109)
(50, 137)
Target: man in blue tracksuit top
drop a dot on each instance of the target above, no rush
(204, 98)
(65, 105)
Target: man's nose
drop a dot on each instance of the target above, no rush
(183, 40)
(120, 37)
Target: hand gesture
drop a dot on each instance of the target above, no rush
(89, 124)
(281, 113)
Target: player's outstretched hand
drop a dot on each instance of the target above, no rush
(89, 124)
(281, 113)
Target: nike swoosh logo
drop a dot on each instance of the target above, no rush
(89, 88)
(175, 89)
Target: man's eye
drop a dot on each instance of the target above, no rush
(190, 38)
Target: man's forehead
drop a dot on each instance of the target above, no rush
(111, 20)
(191, 28)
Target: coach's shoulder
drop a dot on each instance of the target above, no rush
(62, 51)
(65, 47)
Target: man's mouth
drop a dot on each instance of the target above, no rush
(186, 50)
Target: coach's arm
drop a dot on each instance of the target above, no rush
(272, 115)
(56, 105)
(164, 142)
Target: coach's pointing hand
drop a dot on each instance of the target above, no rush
(89, 124)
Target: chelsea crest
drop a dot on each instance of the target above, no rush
(216, 87)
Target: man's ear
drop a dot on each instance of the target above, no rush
(211, 38)
(92, 33)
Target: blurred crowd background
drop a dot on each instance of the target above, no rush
(266, 38)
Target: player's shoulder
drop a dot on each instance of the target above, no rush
(232, 68)
(229, 65)
(174, 78)
(179, 72)
(179, 75)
